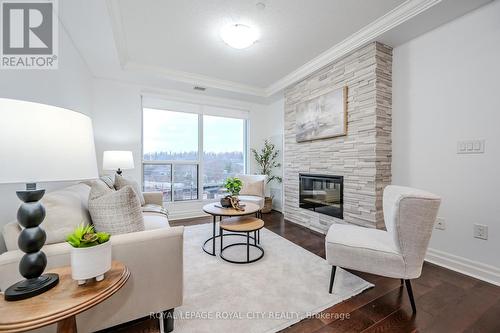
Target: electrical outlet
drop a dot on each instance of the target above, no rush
(440, 223)
(481, 231)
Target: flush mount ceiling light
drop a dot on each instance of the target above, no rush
(239, 36)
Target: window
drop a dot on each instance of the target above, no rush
(170, 136)
(172, 142)
(223, 152)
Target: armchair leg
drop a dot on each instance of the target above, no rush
(402, 281)
(332, 278)
(410, 294)
(168, 320)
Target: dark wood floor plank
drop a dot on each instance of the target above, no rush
(397, 322)
(307, 325)
(489, 321)
(466, 310)
(356, 322)
(383, 286)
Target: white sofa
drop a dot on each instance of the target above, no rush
(154, 258)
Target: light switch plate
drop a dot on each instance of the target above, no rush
(471, 146)
(481, 231)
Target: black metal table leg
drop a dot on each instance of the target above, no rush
(214, 236)
(248, 246)
(213, 239)
(221, 235)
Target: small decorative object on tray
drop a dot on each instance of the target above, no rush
(242, 205)
(90, 253)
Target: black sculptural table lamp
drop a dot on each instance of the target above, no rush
(40, 143)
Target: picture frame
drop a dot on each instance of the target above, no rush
(322, 117)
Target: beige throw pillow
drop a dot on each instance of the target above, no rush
(115, 212)
(253, 188)
(98, 188)
(66, 209)
(120, 182)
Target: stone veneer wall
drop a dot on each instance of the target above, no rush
(363, 157)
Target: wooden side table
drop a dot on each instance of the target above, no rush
(244, 224)
(62, 303)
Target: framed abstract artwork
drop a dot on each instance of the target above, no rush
(322, 117)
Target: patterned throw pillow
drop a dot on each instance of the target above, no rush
(115, 212)
(120, 182)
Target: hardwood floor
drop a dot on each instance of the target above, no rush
(446, 301)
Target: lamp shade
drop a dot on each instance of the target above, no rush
(117, 159)
(41, 143)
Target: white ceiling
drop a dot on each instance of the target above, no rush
(174, 44)
(184, 35)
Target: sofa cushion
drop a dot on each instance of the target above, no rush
(65, 210)
(259, 201)
(116, 212)
(120, 182)
(155, 221)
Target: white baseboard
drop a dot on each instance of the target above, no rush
(465, 266)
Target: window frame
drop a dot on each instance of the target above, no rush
(200, 161)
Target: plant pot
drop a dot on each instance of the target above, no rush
(268, 205)
(90, 262)
(226, 202)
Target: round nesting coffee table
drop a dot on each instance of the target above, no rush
(245, 224)
(214, 210)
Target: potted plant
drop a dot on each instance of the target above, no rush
(90, 253)
(267, 161)
(233, 185)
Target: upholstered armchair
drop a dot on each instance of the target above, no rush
(399, 252)
(254, 189)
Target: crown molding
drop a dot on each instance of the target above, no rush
(118, 31)
(195, 79)
(369, 33)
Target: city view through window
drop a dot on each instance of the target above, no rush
(171, 153)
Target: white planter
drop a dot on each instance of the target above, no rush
(90, 262)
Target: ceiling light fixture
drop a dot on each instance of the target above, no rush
(239, 36)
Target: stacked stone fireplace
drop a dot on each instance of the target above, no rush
(362, 157)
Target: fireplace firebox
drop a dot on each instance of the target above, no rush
(322, 193)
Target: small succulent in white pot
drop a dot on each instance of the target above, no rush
(90, 253)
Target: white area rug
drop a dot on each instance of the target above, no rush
(285, 286)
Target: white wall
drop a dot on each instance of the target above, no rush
(68, 87)
(117, 120)
(268, 123)
(445, 89)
